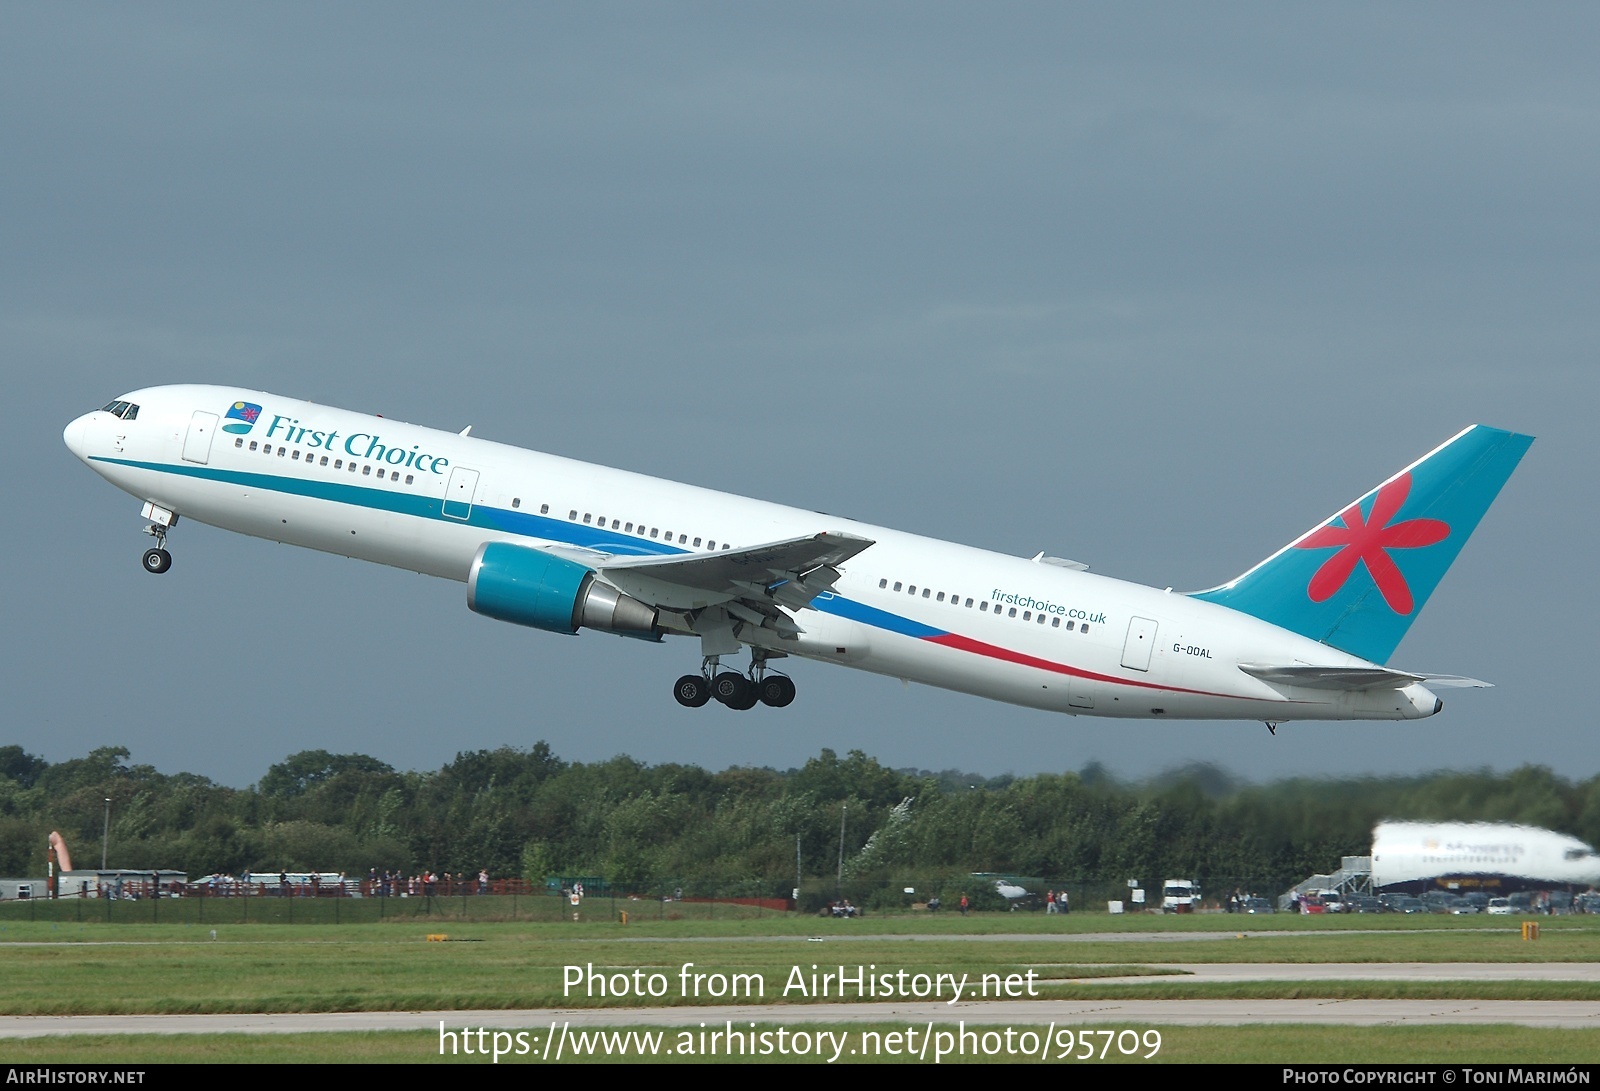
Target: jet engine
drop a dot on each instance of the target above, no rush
(545, 591)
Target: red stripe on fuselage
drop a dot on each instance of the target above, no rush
(994, 651)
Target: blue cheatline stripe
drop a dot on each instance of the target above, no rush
(483, 516)
(539, 526)
(838, 605)
(511, 522)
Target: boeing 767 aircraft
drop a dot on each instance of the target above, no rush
(560, 545)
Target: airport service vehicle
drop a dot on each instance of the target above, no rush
(1180, 896)
(1417, 857)
(558, 545)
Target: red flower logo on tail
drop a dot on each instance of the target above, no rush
(1368, 541)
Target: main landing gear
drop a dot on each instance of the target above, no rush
(737, 691)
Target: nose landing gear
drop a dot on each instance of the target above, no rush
(737, 691)
(157, 560)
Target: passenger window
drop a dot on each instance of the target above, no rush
(713, 545)
(323, 461)
(516, 501)
(238, 443)
(296, 456)
(683, 539)
(654, 531)
(628, 528)
(697, 543)
(572, 514)
(925, 592)
(366, 471)
(616, 524)
(940, 597)
(338, 464)
(409, 479)
(252, 445)
(1027, 615)
(983, 607)
(969, 604)
(897, 585)
(282, 451)
(1071, 625)
(586, 517)
(911, 590)
(380, 473)
(883, 583)
(1055, 623)
(1013, 612)
(1084, 629)
(1041, 619)
(544, 509)
(351, 467)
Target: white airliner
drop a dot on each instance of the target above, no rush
(1419, 856)
(559, 545)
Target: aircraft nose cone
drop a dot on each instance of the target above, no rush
(74, 433)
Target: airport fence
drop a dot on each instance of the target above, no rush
(516, 900)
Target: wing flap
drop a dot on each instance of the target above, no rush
(788, 573)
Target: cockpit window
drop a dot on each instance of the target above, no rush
(125, 410)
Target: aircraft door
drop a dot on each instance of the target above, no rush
(1140, 643)
(197, 444)
(459, 491)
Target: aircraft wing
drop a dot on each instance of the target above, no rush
(1350, 678)
(788, 573)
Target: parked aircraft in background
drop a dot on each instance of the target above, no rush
(559, 545)
(1465, 856)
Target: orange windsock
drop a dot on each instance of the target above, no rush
(63, 857)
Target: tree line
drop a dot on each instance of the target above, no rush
(651, 828)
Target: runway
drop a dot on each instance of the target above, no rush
(1063, 1013)
(1123, 1012)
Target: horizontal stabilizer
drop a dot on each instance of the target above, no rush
(1353, 678)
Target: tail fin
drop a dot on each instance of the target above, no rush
(1357, 581)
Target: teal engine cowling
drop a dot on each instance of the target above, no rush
(543, 591)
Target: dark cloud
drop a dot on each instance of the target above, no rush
(1150, 288)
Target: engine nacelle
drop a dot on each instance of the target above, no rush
(543, 591)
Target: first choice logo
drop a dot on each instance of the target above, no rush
(241, 417)
(362, 445)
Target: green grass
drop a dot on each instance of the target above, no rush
(1454, 1045)
(95, 968)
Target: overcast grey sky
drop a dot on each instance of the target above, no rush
(1156, 287)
